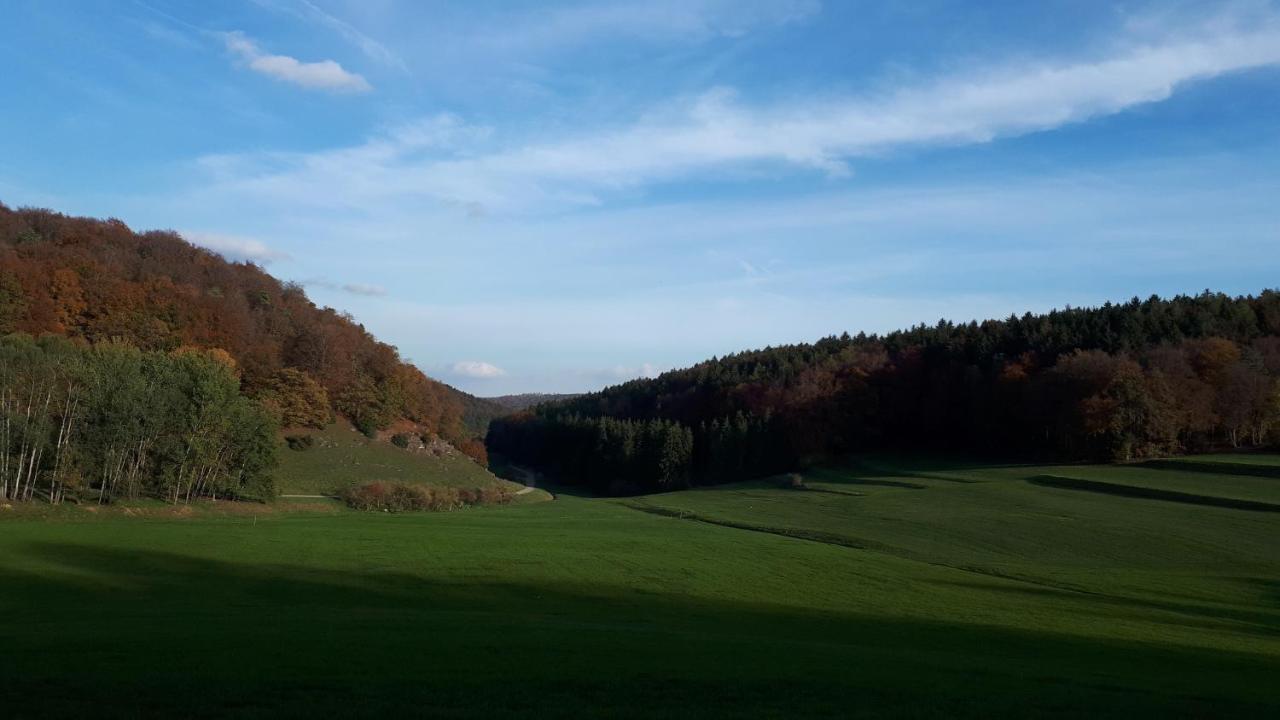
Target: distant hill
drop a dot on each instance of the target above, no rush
(97, 281)
(516, 403)
(478, 412)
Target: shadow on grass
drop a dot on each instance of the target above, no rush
(1196, 614)
(1215, 468)
(107, 632)
(847, 477)
(1134, 491)
(925, 469)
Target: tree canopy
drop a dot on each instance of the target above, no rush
(1122, 381)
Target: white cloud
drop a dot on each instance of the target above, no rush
(322, 75)
(234, 247)
(352, 288)
(715, 131)
(477, 370)
(645, 370)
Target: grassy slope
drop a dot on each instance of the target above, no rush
(344, 457)
(1125, 607)
(1258, 459)
(993, 521)
(1217, 484)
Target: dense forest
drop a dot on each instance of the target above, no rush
(104, 287)
(1119, 382)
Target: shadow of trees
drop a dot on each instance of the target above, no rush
(110, 632)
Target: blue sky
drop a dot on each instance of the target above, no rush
(561, 196)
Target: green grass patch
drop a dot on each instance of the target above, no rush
(1150, 493)
(920, 597)
(1251, 465)
(1195, 481)
(1259, 459)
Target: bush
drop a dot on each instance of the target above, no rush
(402, 497)
(795, 481)
(474, 449)
(300, 442)
(296, 400)
(400, 440)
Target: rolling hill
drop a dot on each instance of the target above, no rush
(884, 586)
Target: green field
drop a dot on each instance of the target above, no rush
(1258, 459)
(887, 587)
(342, 457)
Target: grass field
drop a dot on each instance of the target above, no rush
(343, 457)
(1257, 459)
(889, 587)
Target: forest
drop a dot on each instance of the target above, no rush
(96, 423)
(167, 324)
(1119, 382)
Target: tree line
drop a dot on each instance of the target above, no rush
(99, 282)
(97, 423)
(612, 455)
(1118, 382)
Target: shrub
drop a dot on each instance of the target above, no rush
(403, 497)
(795, 481)
(474, 449)
(400, 440)
(494, 496)
(295, 399)
(300, 442)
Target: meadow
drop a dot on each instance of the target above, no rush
(881, 587)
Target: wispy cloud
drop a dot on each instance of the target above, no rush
(351, 288)
(234, 247)
(477, 370)
(310, 12)
(322, 75)
(363, 289)
(717, 131)
(627, 372)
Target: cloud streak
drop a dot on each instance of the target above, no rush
(234, 247)
(715, 132)
(477, 370)
(322, 75)
(308, 11)
(350, 288)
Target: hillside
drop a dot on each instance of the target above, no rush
(97, 281)
(137, 365)
(478, 412)
(1118, 382)
(339, 457)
